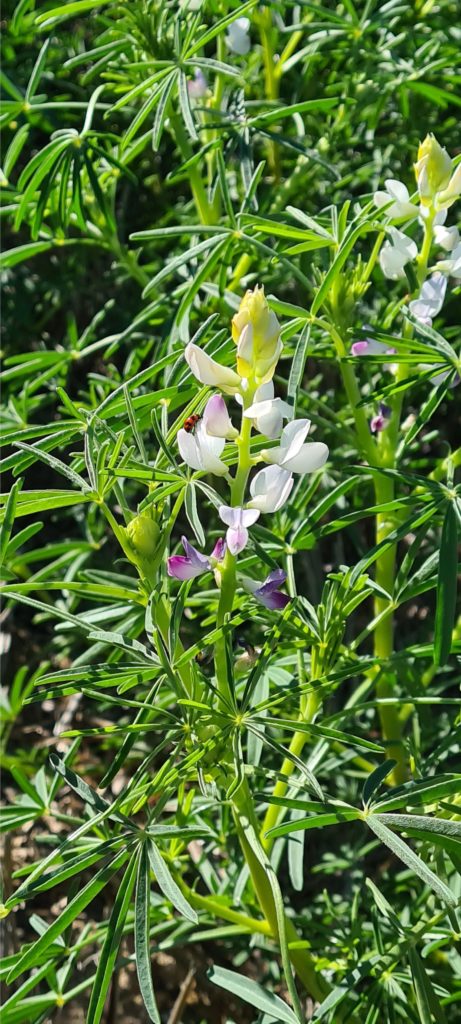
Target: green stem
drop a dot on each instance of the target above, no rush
(204, 209)
(392, 723)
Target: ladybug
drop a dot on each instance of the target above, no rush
(191, 422)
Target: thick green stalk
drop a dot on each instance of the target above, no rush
(204, 209)
(392, 723)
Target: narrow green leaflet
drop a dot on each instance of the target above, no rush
(141, 936)
(412, 861)
(168, 885)
(253, 994)
(446, 586)
(112, 941)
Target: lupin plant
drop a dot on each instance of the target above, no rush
(232, 438)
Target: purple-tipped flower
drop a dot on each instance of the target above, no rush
(268, 592)
(186, 567)
(381, 420)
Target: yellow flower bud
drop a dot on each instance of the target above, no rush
(432, 169)
(256, 332)
(143, 536)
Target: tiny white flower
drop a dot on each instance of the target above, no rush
(430, 299)
(295, 456)
(393, 258)
(270, 489)
(201, 451)
(208, 371)
(237, 37)
(398, 192)
(238, 520)
(268, 412)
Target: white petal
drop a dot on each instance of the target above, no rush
(250, 516)
(447, 238)
(310, 457)
(397, 190)
(431, 298)
(237, 539)
(293, 436)
(230, 516)
(188, 448)
(208, 371)
(404, 244)
(264, 391)
(391, 262)
(270, 489)
(245, 344)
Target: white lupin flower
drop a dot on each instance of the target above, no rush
(270, 489)
(208, 371)
(201, 450)
(398, 192)
(268, 412)
(216, 419)
(452, 267)
(393, 258)
(295, 456)
(430, 299)
(237, 520)
(447, 238)
(237, 38)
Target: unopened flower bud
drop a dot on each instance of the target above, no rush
(256, 332)
(143, 536)
(432, 169)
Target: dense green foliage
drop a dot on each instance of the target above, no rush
(278, 792)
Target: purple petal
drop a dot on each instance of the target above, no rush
(182, 568)
(201, 562)
(359, 348)
(237, 539)
(274, 600)
(219, 550)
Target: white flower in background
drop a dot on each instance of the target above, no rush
(216, 419)
(295, 456)
(430, 299)
(237, 38)
(397, 194)
(208, 371)
(268, 412)
(198, 85)
(237, 520)
(200, 450)
(371, 347)
(393, 258)
(452, 267)
(270, 489)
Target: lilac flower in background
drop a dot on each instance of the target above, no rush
(238, 520)
(430, 299)
(192, 564)
(268, 592)
(381, 419)
(370, 347)
(198, 85)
